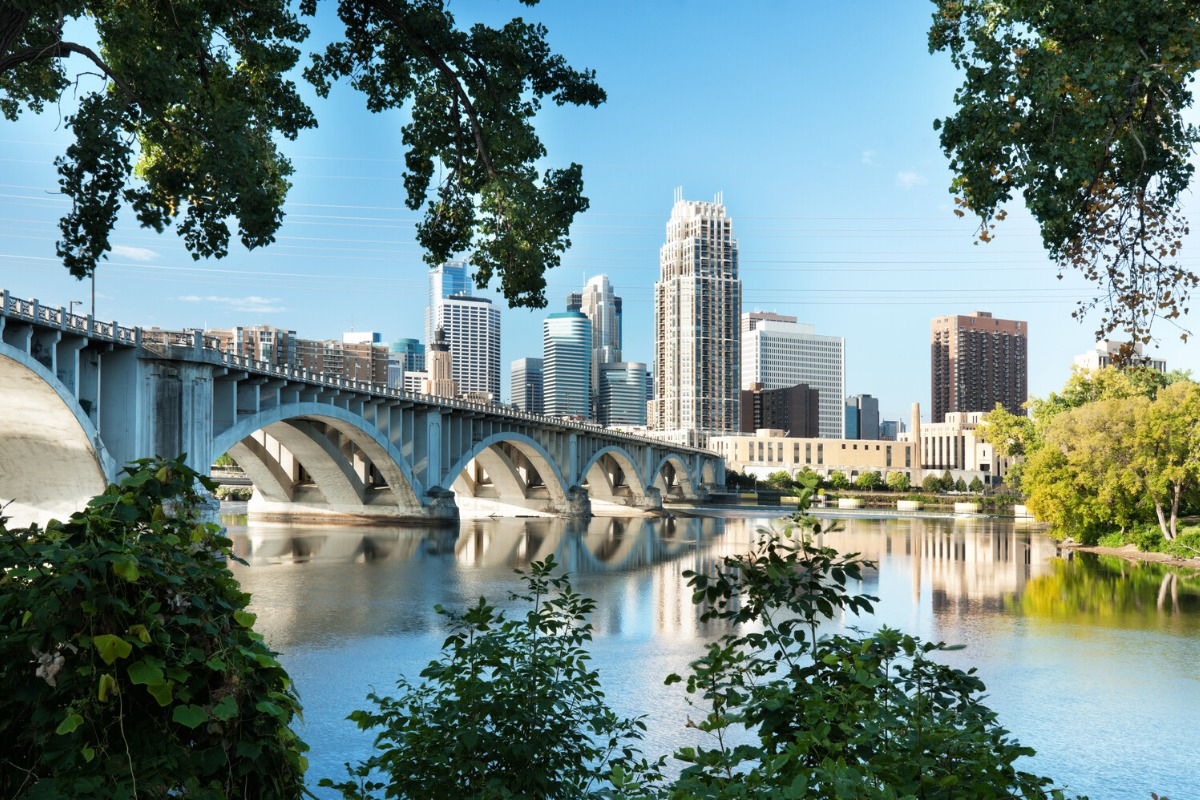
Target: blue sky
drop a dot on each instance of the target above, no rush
(813, 119)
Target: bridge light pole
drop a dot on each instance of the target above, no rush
(71, 306)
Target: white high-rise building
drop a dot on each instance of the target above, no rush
(567, 365)
(779, 352)
(1106, 351)
(451, 278)
(697, 303)
(472, 329)
(622, 393)
(603, 310)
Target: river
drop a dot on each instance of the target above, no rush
(1094, 662)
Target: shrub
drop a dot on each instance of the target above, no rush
(869, 481)
(838, 480)
(233, 492)
(932, 484)
(128, 664)
(831, 716)
(976, 485)
(510, 710)
(899, 482)
(1148, 539)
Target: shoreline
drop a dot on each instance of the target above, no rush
(1130, 552)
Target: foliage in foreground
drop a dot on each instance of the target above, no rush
(831, 716)
(789, 710)
(128, 665)
(511, 710)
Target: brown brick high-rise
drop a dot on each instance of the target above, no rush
(978, 361)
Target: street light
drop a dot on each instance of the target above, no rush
(71, 306)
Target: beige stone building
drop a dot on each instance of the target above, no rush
(768, 451)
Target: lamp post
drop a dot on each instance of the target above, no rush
(71, 306)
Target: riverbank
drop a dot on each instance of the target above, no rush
(1130, 552)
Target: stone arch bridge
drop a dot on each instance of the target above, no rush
(80, 398)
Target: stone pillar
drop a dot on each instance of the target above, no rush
(916, 435)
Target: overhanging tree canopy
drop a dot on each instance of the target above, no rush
(196, 93)
(1078, 107)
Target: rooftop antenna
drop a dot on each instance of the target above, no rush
(719, 199)
(678, 194)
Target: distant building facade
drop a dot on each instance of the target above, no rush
(527, 378)
(472, 331)
(1105, 351)
(862, 417)
(977, 361)
(697, 303)
(778, 352)
(450, 278)
(792, 409)
(440, 381)
(567, 365)
(275, 346)
(404, 355)
(769, 451)
(622, 393)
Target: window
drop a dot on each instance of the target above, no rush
(821, 453)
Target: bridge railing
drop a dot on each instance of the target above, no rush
(156, 339)
(34, 311)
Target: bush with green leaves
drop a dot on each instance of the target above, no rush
(128, 663)
(838, 480)
(512, 709)
(869, 481)
(932, 484)
(794, 712)
(898, 482)
(976, 485)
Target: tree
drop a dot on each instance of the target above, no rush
(1079, 107)
(128, 663)
(898, 482)
(976, 485)
(1166, 450)
(511, 709)
(838, 480)
(932, 484)
(947, 481)
(194, 96)
(960, 485)
(779, 480)
(869, 481)
(1009, 434)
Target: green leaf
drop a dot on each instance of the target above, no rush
(140, 632)
(107, 686)
(145, 672)
(245, 618)
(225, 709)
(191, 716)
(69, 724)
(111, 647)
(88, 754)
(162, 692)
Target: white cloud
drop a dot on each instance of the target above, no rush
(868, 157)
(909, 179)
(136, 253)
(251, 304)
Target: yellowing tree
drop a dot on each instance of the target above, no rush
(1167, 450)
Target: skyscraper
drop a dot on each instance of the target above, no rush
(779, 352)
(622, 393)
(697, 303)
(448, 279)
(528, 385)
(567, 364)
(440, 382)
(472, 329)
(603, 310)
(978, 361)
(404, 355)
(864, 410)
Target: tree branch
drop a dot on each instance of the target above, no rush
(61, 49)
(452, 78)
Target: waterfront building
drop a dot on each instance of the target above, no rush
(567, 365)
(603, 309)
(977, 361)
(778, 351)
(697, 303)
(527, 385)
(1105, 351)
(793, 409)
(450, 278)
(404, 355)
(954, 444)
(862, 417)
(471, 326)
(622, 393)
(769, 451)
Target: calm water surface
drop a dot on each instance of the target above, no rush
(1093, 662)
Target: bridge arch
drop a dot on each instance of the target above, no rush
(292, 425)
(510, 486)
(672, 471)
(597, 475)
(52, 460)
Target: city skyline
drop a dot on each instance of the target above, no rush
(846, 225)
